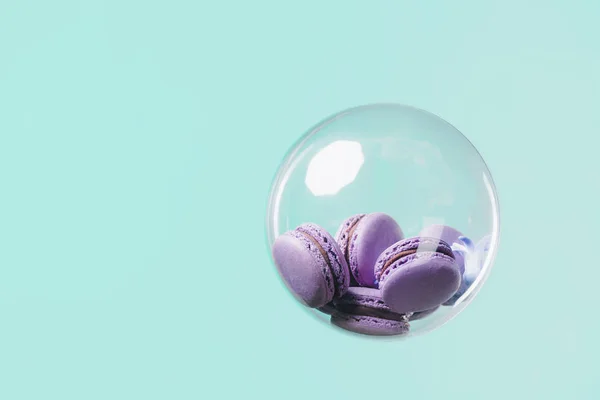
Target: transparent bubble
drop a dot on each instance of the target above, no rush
(409, 165)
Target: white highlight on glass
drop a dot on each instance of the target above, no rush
(334, 167)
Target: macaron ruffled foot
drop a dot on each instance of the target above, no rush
(311, 264)
(362, 310)
(362, 238)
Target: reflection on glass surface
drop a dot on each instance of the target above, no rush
(334, 167)
(395, 160)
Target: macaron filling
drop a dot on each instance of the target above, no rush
(413, 257)
(334, 259)
(396, 258)
(409, 247)
(363, 311)
(349, 237)
(318, 247)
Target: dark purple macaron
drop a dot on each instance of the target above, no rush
(362, 238)
(417, 274)
(422, 314)
(328, 308)
(311, 264)
(361, 310)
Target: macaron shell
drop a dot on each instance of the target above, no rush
(328, 309)
(420, 244)
(303, 269)
(369, 325)
(339, 267)
(419, 282)
(443, 232)
(363, 296)
(462, 289)
(460, 261)
(341, 236)
(374, 233)
(422, 314)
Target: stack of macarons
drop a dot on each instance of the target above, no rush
(369, 278)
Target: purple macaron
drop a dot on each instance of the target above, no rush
(362, 238)
(417, 274)
(311, 264)
(422, 314)
(361, 310)
(448, 235)
(443, 232)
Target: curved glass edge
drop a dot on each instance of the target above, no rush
(286, 168)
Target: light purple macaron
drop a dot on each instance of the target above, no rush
(311, 264)
(361, 310)
(362, 238)
(449, 235)
(443, 232)
(417, 274)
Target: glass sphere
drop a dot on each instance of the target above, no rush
(390, 163)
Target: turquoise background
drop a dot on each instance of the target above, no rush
(138, 141)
